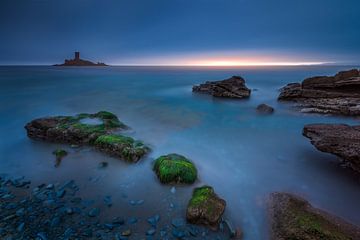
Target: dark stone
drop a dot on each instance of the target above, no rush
(339, 94)
(264, 109)
(205, 207)
(339, 139)
(294, 218)
(233, 87)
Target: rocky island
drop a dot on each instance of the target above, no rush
(339, 139)
(77, 61)
(339, 94)
(233, 87)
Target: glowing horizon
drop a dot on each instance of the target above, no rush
(227, 59)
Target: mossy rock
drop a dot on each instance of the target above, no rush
(70, 129)
(75, 130)
(205, 207)
(60, 153)
(294, 218)
(121, 146)
(174, 168)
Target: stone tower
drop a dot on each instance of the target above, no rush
(77, 55)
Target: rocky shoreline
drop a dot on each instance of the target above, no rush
(339, 94)
(339, 139)
(55, 211)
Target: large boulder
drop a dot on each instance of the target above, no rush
(88, 129)
(339, 139)
(72, 129)
(205, 207)
(339, 94)
(292, 217)
(175, 168)
(233, 87)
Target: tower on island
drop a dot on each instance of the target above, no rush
(77, 55)
(79, 62)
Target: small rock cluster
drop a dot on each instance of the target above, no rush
(53, 211)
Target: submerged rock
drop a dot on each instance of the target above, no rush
(339, 139)
(205, 207)
(339, 94)
(74, 130)
(233, 87)
(294, 218)
(175, 168)
(60, 154)
(264, 109)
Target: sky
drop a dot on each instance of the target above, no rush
(181, 32)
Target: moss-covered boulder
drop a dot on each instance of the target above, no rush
(121, 146)
(71, 129)
(294, 218)
(174, 168)
(205, 207)
(90, 129)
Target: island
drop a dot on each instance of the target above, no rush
(77, 61)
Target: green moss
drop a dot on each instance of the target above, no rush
(174, 168)
(59, 153)
(110, 121)
(126, 147)
(309, 225)
(201, 195)
(89, 129)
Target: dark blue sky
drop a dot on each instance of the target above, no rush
(161, 31)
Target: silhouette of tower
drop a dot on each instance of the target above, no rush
(77, 55)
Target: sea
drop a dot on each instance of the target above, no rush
(244, 156)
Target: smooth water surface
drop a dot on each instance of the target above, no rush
(243, 155)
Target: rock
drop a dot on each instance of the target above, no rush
(339, 94)
(70, 129)
(264, 109)
(178, 222)
(122, 146)
(94, 212)
(151, 232)
(73, 130)
(294, 218)
(174, 168)
(233, 87)
(205, 207)
(154, 220)
(103, 165)
(126, 232)
(108, 201)
(339, 139)
(60, 154)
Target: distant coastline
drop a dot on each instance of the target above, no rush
(78, 62)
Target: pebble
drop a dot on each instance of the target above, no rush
(173, 190)
(178, 222)
(151, 231)
(108, 201)
(126, 232)
(94, 212)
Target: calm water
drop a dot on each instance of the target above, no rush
(244, 156)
